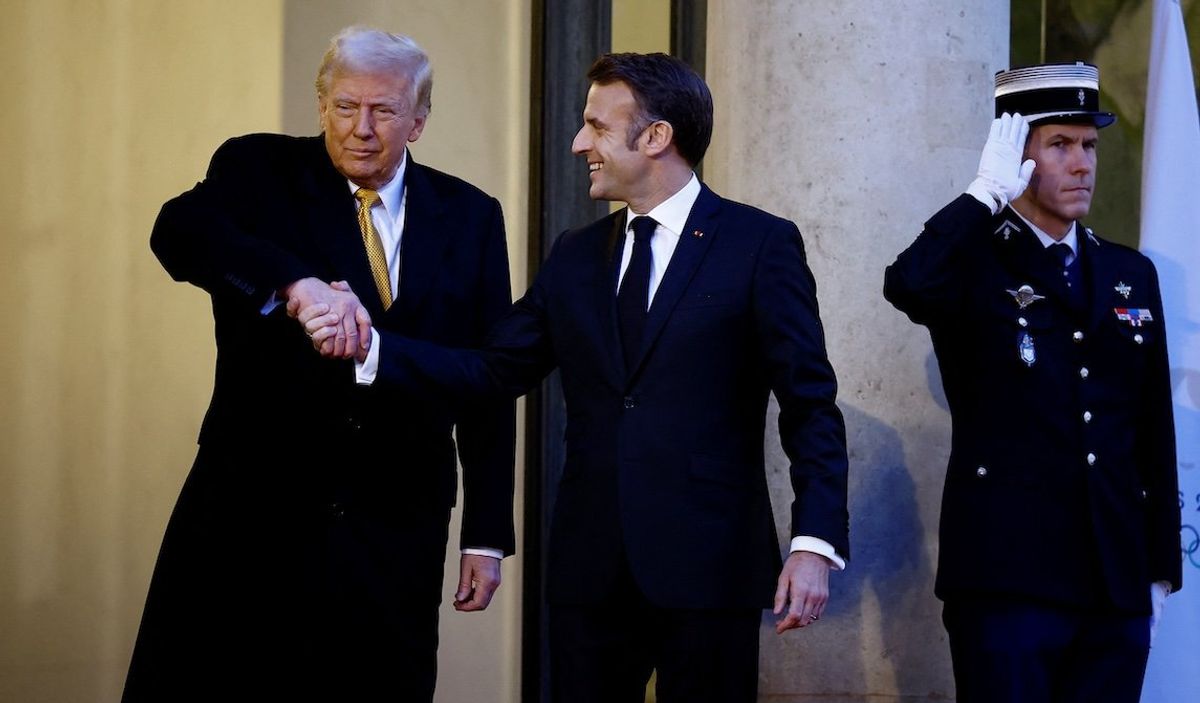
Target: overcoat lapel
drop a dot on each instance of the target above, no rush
(698, 234)
(333, 217)
(1098, 274)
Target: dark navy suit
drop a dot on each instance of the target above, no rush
(304, 557)
(1061, 486)
(664, 476)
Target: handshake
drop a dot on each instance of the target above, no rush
(332, 316)
(1003, 175)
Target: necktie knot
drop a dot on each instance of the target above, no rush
(643, 228)
(367, 197)
(1062, 252)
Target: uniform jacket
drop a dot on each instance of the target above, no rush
(1061, 484)
(664, 461)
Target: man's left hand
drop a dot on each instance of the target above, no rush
(803, 589)
(479, 577)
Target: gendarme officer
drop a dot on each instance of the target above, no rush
(1060, 526)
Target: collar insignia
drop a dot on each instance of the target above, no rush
(1007, 229)
(1025, 296)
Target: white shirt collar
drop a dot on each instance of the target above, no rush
(391, 192)
(1071, 239)
(673, 212)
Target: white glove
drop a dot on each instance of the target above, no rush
(1002, 175)
(1159, 590)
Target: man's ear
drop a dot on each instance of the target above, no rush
(657, 137)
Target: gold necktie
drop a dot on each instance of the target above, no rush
(379, 269)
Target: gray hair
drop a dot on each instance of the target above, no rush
(366, 49)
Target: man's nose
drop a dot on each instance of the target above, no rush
(363, 124)
(581, 143)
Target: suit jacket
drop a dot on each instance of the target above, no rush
(1061, 485)
(664, 460)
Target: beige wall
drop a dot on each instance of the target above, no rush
(117, 106)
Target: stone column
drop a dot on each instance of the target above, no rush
(858, 120)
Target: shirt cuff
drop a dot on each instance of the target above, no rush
(816, 545)
(271, 304)
(364, 371)
(483, 552)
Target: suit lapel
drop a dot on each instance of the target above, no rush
(423, 242)
(606, 288)
(698, 234)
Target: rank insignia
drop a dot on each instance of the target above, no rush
(1123, 289)
(1025, 348)
(1134, 316)
(1006, 230)
(1025, 296)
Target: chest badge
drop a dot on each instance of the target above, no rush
(1025, 348)
(1134, 316)
(1025, 296)
(1123, 289)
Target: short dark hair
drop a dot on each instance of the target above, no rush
(667, 89)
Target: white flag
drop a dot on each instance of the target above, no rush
(1171, 238)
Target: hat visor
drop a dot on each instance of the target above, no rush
(1099, 119)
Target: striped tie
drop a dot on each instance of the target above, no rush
(379, 269)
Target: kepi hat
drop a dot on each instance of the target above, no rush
(1053, 92)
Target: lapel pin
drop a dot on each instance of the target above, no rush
(1025, 296)
(1123, 289)
(697, 233)
(1134, 316)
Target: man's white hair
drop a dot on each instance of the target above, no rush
(356, 49)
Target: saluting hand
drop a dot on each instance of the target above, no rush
(1003, 175)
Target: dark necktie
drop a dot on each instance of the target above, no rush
(1070, 272)
(634, 294)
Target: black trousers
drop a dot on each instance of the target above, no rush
(1013, 651)
(605, 652)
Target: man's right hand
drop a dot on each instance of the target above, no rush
(1002, 175)
(349, 321)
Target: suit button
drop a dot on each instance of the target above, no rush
(1091, 458)
(1083, 372)
(981, 471)
(630, 402)
(1087, 415)
(1138, 338)
(1022, 322)
(1078, 336)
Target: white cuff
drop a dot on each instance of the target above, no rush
(981, 193)
(816, 545)
(483, 552)
(364, 372)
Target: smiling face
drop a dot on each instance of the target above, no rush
(618, 168)
(1060, 191)
(368, 118)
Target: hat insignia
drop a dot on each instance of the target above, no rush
(1081, 97)
(1123, 289)
(1025, 296)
